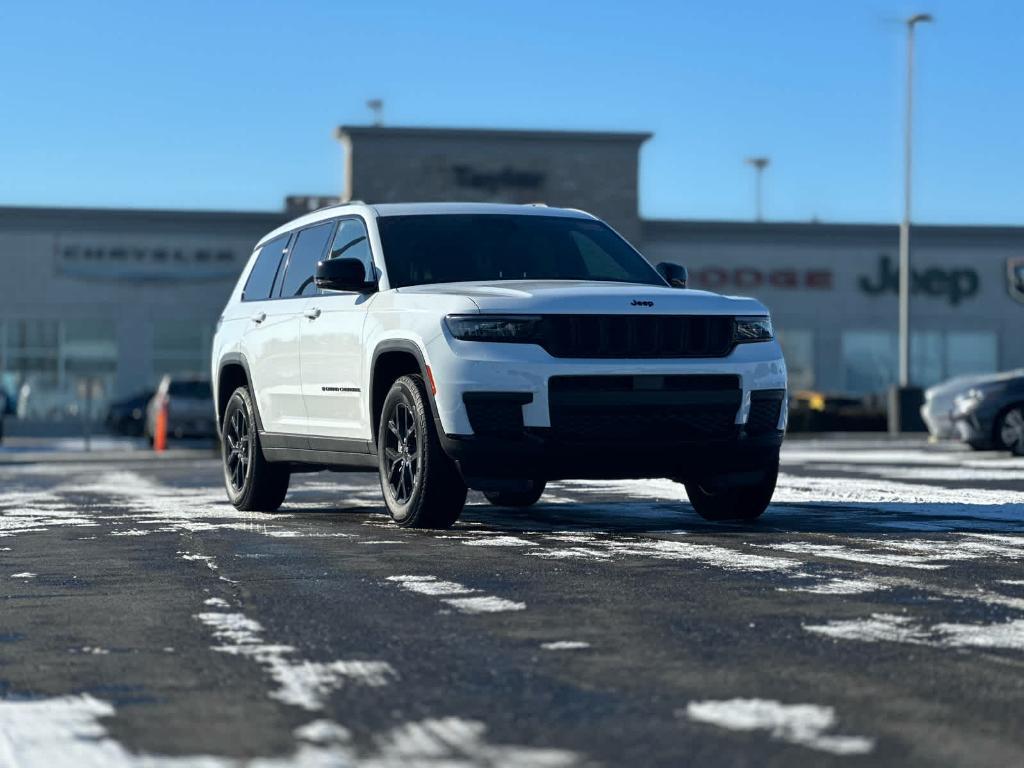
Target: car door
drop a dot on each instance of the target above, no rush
(266, 325)
(331, 346)
(272, 344)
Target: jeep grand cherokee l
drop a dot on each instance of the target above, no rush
(493, 347)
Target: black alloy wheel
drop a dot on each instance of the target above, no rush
(421, 485)
(1011, 430)
(402, 452)
(237, 447)
(252, 483)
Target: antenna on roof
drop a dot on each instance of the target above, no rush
(377, 107)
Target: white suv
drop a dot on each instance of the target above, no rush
(494, 347)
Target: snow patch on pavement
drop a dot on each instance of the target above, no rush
(487, 604)
(565, 645)
(498, 541)
(802, 724)
(883, 627)
(67, 732)
(841, 587)
(431, 585)
(301, 683)
(454, 741)
(842, 552)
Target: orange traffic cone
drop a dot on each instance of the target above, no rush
(160, 428)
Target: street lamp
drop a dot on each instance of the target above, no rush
(376, 106)
(904, 301)
(759, 163)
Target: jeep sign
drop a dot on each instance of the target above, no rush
(953, 285)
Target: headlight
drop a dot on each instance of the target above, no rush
(517, 329)
(968, 401)
(757, 328)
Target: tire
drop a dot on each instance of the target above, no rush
(517, 498)
(1009, 432)
(744, 502)
(253, 484)
(422, 487)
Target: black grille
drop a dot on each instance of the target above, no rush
(496, 414)
(643, 409)
(765, 409)
(638, 336)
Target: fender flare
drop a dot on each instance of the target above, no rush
(236, 358)
(411, 347)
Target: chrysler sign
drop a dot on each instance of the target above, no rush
(96, 261)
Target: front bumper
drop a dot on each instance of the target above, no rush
(461, 367)
(538, 455)
(974, 427)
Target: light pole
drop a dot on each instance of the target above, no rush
(376, 106)
(904, 310)
(759, 163)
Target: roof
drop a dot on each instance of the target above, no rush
(379, 131)
(105, 219)
(764, 231)
(421, 209)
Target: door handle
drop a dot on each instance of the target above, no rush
(312, 313)
(259, 317)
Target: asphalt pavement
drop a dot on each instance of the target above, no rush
(874, 615)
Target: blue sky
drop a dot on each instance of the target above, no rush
(232, 105)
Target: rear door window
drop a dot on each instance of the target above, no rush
(309, 248)
(260, 284)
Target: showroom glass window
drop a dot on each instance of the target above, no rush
(48, 363)
(798, 349)
(870, 357)
(310, 247)
(181, 348)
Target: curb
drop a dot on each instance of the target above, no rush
(110, 457)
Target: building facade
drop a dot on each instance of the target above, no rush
(112, 299)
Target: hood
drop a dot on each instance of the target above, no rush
(577, 297)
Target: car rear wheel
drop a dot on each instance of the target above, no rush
(422, 487)
(740, 502)
(1010, 430)
(525, 498)
(253, 484)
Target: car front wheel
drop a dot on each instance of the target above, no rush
(525, 498)
(739, 502)
(1011, 430)
(422, 487)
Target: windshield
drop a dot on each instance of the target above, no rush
(199, 390)
(449, 248)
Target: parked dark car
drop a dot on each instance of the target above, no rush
(128, 416)
(190, 411)
(990, 415)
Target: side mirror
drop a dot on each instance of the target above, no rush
(674, 274)
(347, 275)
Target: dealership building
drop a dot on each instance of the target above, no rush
(113, 299)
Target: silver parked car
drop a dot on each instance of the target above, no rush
(938, 404)
(190, 411)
